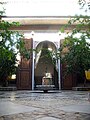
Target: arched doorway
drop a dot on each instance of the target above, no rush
(44, 66)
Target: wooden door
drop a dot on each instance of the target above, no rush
(24, 73)
(67, 80)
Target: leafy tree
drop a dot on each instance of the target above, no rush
(11, 44)
(77, 44)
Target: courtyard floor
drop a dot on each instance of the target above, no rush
(36, 105)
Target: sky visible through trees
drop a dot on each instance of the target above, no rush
(42, 8)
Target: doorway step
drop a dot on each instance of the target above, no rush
(45, 88)
(8, 88)
(81, 88)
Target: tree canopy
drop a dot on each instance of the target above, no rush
(77, 43)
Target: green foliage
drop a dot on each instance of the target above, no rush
(46, 54)
(2, 9)
(85, 4)
(11, 44)
(77, 57)
(7, 62)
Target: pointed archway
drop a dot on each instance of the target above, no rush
(44, 65)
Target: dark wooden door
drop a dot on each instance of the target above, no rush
(24, 73)
(67, 80)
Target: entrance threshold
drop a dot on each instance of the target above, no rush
(45, 88)
(81, 88)
(8, 88)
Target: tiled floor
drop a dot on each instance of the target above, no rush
(36, 105)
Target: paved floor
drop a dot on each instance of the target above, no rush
(8, 108)
(36, 105)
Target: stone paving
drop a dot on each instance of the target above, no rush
(36, 105)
